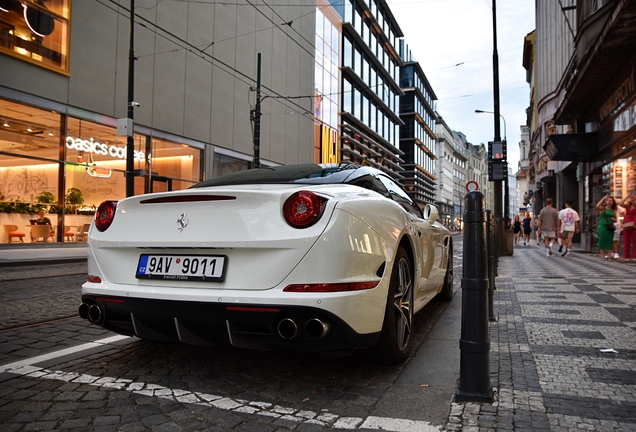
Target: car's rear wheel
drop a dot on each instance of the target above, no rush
(446, 294)
(395, 340)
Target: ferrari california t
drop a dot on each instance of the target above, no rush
(322, 258)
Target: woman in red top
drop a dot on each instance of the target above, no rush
(629, 232)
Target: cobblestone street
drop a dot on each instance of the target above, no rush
(562, 358)
(555, 317)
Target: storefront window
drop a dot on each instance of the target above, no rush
(96, 161)
(36, 31)
(32, 135)
(178, 162)
(32, 146)
(24, 180)
(226, 164)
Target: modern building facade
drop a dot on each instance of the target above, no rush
(477, 172)
(64, 84)
(459, 164)
(447, 139)
(460, 170)
(371, 65)
(328, 81)
(417, 135)
(327, 91)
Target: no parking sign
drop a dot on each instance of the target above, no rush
(472, 186)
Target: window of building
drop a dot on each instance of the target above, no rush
(357, 63)
(348, 54)
(365, 110)
(36, 32)
(226, 164)
(35, 144)
(348, 12)
(346, 96)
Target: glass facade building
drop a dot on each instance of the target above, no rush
(370, 91)
(327, 85)
(417, 136)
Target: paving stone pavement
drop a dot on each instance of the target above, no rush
(61, 298)
(555, 316)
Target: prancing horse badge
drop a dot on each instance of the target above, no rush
(183, 221)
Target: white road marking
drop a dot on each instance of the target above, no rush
(25, 368)
(33, 360)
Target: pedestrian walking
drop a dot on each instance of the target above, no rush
(607, 207)
(560, 240)
(616, 245)
(629, 232)
(516, 229)
(537, 230)
(527, 228)
(548, 224)
(569, 226)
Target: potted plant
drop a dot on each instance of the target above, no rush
(46, 197)
(74, 198)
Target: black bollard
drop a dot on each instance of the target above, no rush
(474, 374)
(490, 235)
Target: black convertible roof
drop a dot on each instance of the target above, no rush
(308, 173)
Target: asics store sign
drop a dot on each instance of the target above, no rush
(95, 147)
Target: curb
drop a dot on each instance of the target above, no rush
(40, 261)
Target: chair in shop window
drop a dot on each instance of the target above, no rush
(82, 232)
(13, 233)
(41, 232)
(69, 235)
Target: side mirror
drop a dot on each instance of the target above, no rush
(431, 214)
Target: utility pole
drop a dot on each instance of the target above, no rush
(499, 229)
(130, 143)
(256, 117)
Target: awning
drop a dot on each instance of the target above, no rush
(572, 147)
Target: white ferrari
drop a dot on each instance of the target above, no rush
(329, 258)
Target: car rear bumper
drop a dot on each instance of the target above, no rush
(251, 326)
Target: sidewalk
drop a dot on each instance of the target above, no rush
(563, 346)
(50, 253)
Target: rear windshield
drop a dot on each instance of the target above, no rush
(306, 174)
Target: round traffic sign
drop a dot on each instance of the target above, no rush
(472, 186)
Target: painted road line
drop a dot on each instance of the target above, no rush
(323, 418)
(61, 353)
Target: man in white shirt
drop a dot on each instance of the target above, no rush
(569, 225)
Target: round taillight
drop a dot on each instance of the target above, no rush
(105, 214)
(303, 209)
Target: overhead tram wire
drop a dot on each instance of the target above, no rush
(235, 37)
(202, 54)
(289, 24)
(249, 81)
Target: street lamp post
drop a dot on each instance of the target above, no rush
(130, 141)
(502, 117)
(506, 190)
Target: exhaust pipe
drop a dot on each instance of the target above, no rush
(94, 313)
(83, 310)
(287, 329)
(317, 328)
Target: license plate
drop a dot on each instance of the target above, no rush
(204, 268)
